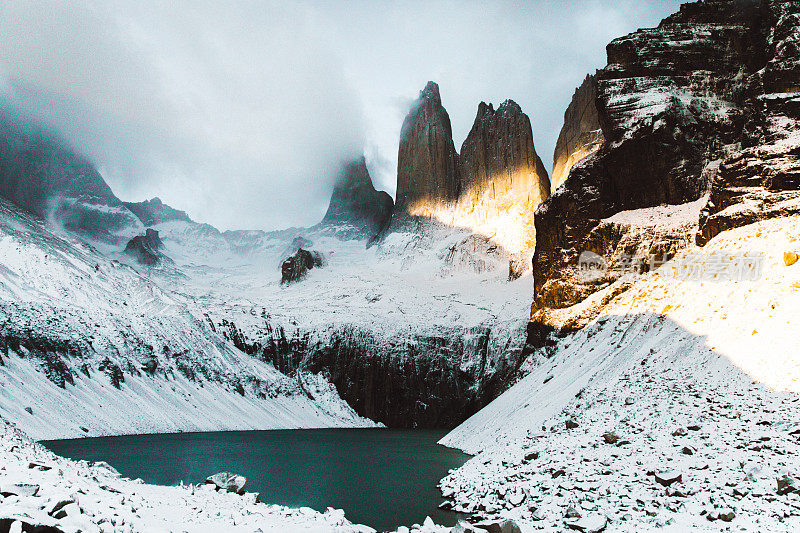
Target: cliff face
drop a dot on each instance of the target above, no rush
(356, 204)
(580, 135)
(430, 379)
(427, 162)
(41, 174)
(491, 188)
(763, 181)
(498, 157)
(673, 103)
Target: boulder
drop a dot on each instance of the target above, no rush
(668, 477)
(295, 267)
(228, 482)
(146, 249)
(464, 527)
(19, 489)
(787, 484)
(503, 526)
(25, 524)
(610, 437)
(789, 258)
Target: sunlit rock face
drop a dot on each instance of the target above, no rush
(580, 135)
(41, 174)
(675, 104)
(356, 208)
(498, 157)
(427, 162)
(496, 185)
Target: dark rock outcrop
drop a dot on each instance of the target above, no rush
(672, 102)
(755, 184)
(295, 267)
(580, 135)
(763, 181)
(42, 174)
(356, 208)
(427, 162)
(146, 249)
(498, 157)
(152, 212)
(435, 379)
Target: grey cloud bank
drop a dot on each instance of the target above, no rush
(241, 112)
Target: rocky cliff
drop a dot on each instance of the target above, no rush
(580, 135)
(431, 379)
(763, 180)
(498, 157)
(427, 162)
(355, 206)
(491, 188)
(42, 174)
(152, 212)
(676, 104)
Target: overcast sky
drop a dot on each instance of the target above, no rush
(240, 111)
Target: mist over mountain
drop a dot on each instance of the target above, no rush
(242, 114)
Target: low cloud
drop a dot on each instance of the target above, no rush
(240, 112)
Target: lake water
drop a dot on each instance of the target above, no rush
(380, 477)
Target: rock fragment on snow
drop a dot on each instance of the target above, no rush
(668, 478)
(610, 437)
(589, 524)
(19, 489)
(460, 527)
(504, 526)
(228, 482)
(787, 484)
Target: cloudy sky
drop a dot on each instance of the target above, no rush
(240, 111)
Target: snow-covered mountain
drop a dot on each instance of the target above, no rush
(659, 396)
(90, 346)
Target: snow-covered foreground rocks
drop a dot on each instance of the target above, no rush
(675, 409)
(41, 489)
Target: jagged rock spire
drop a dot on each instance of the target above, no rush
(499, 153)
(356, 203)
(427, 162)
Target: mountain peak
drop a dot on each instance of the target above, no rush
(430, 92)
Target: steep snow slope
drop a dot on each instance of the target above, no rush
(699, 376)
(91, 347)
